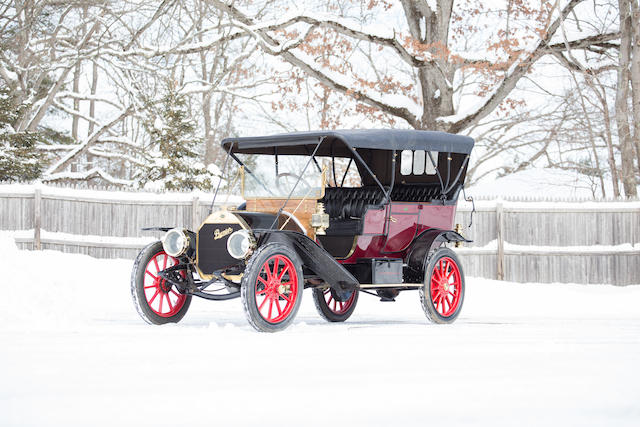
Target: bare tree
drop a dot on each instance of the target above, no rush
(622, 100)
(425, 49)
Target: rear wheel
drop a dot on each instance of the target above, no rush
(272, 287)
(331, 308)
(156, 300)
(443, 291)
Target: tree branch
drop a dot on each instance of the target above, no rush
(510, 81)
(81, 148)
(273, 47)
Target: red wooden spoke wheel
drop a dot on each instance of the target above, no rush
(446, 286)
(331, 308)
(271, 289)
(276, 288)
(161, 298)
(156, 301)
(338, 307)
(443, 292)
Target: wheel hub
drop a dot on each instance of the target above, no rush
(162, 284)
(445, 285)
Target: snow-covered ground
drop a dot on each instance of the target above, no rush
(74, 352)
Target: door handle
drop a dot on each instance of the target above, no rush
(392, 219)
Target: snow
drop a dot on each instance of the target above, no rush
(75, 353)
(129, 196)
(88, 239)
(492, 246)
(158, 124)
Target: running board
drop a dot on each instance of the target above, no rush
(390, 285)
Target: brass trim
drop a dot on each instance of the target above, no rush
(218, 217)
(242, 181)
(235, 278)
(352, 250)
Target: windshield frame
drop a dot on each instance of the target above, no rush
(316, 196)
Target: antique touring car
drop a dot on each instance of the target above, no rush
(340, 212)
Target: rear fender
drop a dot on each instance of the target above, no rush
(313, 257)
(423, 245)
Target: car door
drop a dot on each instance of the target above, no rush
(401, 225)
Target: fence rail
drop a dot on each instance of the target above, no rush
(524, 241)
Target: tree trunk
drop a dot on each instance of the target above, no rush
(635, 75)
(609, 140)
(76, 101)
(431, 27)
(622, 100)
(94, 90)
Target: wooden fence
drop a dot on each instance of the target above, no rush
(532, 241)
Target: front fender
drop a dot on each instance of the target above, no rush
(313, 257)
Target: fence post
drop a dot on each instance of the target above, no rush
(500, 239)
(195, 213)
(37, 215)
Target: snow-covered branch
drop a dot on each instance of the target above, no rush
(82, 147)
(86, 175)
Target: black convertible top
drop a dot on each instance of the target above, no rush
(373, 139)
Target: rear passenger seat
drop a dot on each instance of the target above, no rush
(351, 203)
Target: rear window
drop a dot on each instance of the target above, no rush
(418, 162)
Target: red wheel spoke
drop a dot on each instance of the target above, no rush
(286, 297)
(175, 293)
(270, 308)
(151, 274)
(263, 302)
(154, 296)
(166, 258)
(160, 308)
(284, 270)
(262, 291)
(150, 286)
(278, 306)
(155, 261)
(341, 306)
(262, 280)
(169, 302)
(330, 299)
(275, 268)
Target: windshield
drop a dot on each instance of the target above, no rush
(274, 177)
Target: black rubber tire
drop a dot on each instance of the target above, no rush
(425, 293)
(326, 313)
(248, 288)
(137, 288)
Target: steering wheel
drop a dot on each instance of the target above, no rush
(288, 175)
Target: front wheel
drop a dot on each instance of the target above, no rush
(271, 289)
(443, 291)
(155, 299)
(331, 308)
